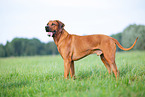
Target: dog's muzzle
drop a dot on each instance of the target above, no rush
(49, 32)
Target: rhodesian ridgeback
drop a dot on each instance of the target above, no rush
(73, 47)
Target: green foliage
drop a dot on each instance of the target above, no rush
(9, 49)
(131, 33)
(128, 36)
(27, 47)
(42, 76)
(52, 49)
(2, 50)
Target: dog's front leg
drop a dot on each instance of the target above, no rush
(67, 65)
(72, 70)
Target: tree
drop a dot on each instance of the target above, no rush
(131, 33)
(2, 51)
(51, 48)
(32, 47)
(19, 46)
(141, 34)
(9, 49)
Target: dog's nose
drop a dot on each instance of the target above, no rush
(46, 28)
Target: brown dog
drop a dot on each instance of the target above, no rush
(74, 47)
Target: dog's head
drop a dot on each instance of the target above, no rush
(54, 27)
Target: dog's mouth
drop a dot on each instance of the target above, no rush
(51, 34)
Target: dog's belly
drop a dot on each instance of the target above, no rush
(80, 55)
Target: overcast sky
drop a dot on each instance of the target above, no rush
(27, 18)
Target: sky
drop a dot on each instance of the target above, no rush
(28, 18)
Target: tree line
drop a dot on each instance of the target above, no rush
(27, 47)
(30, 47)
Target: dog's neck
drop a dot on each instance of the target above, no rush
(60, 37)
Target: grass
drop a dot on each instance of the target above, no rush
(42, 76)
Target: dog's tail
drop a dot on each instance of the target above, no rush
(121, 47)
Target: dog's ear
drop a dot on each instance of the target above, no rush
(61, 25)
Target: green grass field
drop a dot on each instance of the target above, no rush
(42, 76)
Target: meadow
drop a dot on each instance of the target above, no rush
(42, 76)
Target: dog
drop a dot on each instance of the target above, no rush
(73, 47)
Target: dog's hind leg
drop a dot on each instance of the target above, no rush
(109, 54)
(106, 63)
(111, 61)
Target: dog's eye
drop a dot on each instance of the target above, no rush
(52, 24)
